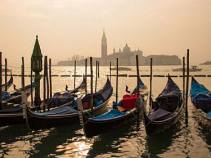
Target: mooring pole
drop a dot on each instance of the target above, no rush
(32, 84)
(0, 78)
(183, 79)
(74, 72)
(98, 70)
(137, 71)
(91, 71)
(50, 78)
(187, 85)
(23, 74)
(5, 72)
(44, 84)
(138, 103)
(117, 78)
(110, 71)
(96, 76)
(86, 75)
(47, 78)
(150, 90)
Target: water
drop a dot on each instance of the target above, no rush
(183, 140)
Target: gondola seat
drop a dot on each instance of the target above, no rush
(158, 114)
(129, 101)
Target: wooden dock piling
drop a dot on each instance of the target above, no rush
(96, 76)
(74, 72)
(31, 80)
(23, 74)
(187, 85)
(183, 78)
(110, 71)
(91, 71)
(50, 78)
(117, 78)
(150, 90)
(44, 84)
(0, 79)
(47, 78)
(86, 75)
(5, 73)
(98, 69)
(138, 105)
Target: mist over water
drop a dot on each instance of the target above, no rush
(68, 141)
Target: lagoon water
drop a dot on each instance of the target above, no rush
(183, 140)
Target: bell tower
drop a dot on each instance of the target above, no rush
(103, 46)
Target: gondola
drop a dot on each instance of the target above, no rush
(67, 114)
(11, 111)
(201, 99)
(60, 98)
(123, 112)
(166, 109)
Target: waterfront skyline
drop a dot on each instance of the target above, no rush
(73, 27)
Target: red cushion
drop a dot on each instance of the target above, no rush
(129, 101)
(86, 105)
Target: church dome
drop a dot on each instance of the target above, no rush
(126, 49)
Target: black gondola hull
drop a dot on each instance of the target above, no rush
(36, 122)
(157, 127)
(11, 119)
(93, 128)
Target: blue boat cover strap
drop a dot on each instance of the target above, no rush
(113, 113)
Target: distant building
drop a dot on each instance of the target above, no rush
(126, 57)
(104, 50)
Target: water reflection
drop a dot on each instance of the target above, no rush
(114, 143)
(51, 144)
(160, 142)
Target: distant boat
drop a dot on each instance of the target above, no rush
(122, 68)
(192, 69)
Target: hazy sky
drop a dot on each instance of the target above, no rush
(68, 27)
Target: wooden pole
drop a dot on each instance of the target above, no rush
(5, 72)
(187, 85)
(47, 78)
(137, 70)
(183, 78)
(50, 78)
(110, 71)
(31, 80)
(0, 78)
(23, 74)
(117, 78)
(96, 76)
(74, 72)
(86, 75)
(150, 91)
(91, 70)
(44, 84)
(138, 106)
(98, 70)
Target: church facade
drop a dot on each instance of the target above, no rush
(125, 55)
